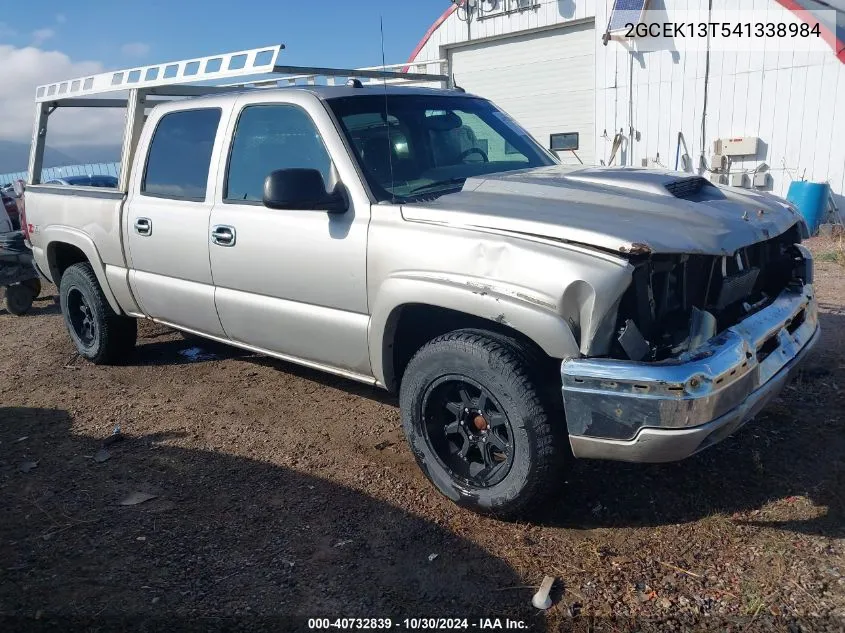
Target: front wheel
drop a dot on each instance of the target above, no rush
(477, 425)
(99, 333)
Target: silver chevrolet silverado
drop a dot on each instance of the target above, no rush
(422, 241)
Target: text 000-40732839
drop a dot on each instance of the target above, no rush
(416, 624)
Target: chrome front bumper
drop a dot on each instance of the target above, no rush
(669, 410)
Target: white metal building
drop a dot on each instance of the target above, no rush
(544, 62)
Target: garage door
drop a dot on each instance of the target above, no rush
(545, 80)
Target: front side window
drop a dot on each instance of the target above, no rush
(423, 145)
(267, 138)
(180, 155)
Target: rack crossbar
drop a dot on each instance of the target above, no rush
(256, 61)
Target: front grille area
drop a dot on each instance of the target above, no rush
(667, 290)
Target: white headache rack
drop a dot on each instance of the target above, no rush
(257, 61)
(141, 85)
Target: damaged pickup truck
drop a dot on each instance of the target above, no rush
(421, 241)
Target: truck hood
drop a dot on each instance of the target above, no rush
(625, 210)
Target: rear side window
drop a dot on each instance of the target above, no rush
(180, 155)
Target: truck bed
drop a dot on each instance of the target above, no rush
(88, 219)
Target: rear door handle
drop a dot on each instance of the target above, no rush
(144, 226)
(223, 235)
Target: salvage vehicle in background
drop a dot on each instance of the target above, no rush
(420, 240)
(18, 277)
(7, 197)
(109, 182)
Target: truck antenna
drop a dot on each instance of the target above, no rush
(386, 116)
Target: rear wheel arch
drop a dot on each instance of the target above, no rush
(61, 256)
(78, 249)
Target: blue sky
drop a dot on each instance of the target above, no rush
(62, 40)
(121, 33)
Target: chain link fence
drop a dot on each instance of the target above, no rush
(51, 173)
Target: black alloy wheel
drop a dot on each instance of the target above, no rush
(468, 431)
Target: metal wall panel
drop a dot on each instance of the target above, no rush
(785, 95)
(544, 80)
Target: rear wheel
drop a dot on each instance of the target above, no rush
(34, 286)
(477, 424)
(99, 333)
(19, 297)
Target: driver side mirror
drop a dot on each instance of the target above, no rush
(302, 189)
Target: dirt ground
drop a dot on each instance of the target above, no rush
(281, 491)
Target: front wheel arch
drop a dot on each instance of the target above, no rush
(411, 326)
(457, 306)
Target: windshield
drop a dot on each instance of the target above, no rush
(423, 145)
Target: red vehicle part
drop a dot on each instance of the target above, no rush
(11, 207)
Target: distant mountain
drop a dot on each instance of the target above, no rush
(93, 153)
(14, 156)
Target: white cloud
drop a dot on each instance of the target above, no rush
(135, 49)
(40, 36)
(60, 18)
(26, 68)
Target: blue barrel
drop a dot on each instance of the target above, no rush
(812, 200)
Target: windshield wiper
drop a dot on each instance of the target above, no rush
(435, 185)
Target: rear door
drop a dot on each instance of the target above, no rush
(168, 214)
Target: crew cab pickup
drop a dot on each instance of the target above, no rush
(420, 240)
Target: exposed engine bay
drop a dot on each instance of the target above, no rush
(676, 303)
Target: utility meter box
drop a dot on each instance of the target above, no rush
(718, 162)
(741, 146)
(737, 180)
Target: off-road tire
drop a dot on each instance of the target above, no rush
(502, 365)
(34, 286)
(114, 335)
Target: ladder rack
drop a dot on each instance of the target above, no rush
(391, 74)
(237, 64)
(185, 79)
(249, 63)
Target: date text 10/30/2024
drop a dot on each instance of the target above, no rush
(416, 624)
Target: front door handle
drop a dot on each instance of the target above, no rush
(144, 226)
(223, 235)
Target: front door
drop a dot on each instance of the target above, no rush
(291, 282)
(167, 222)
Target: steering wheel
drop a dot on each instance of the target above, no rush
(474, 150)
